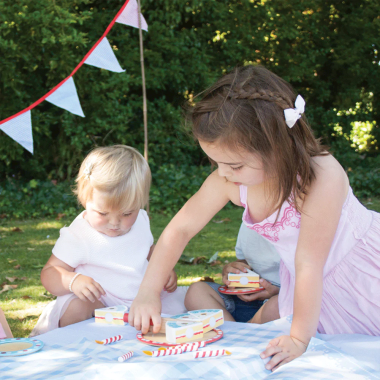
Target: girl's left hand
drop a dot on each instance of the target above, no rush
(171, 285)
(283, 349)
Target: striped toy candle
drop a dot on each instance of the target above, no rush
(110, 340)
(207, 354)
(171, 351)
(126, 356)
(192, 346)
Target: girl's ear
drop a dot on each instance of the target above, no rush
(5, 331)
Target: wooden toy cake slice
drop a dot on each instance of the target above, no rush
(187, 327)
(244, 280)
(210, 318)
(113, 315)
(183, 331)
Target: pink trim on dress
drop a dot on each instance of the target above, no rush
(270, 230)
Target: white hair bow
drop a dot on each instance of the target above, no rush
(293, 114)
(87, 170)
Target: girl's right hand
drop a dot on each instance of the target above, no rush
(87, 289)
(235, 267)
(144, 308)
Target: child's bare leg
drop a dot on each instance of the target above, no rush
(268, 312)
(202, 296)
(79, 311)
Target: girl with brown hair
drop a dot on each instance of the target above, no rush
(296, 195)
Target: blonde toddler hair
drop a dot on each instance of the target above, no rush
(120, 172)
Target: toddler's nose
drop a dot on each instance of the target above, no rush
(114, 223)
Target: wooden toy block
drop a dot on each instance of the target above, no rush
(244, 280)
(181, 332)
(210, 318)
(113, 315)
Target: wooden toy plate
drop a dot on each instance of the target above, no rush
(226, 290)
(19, 346)
(160, 339)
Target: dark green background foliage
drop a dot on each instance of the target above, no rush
(328, 50)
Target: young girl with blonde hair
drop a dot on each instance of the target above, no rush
(101, 258)
(296, 195)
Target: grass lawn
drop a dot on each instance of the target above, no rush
(25, 246)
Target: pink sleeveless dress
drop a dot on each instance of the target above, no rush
(351, 275)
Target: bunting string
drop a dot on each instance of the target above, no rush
(64, 94)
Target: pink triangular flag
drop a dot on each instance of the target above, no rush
(130, 15)
(20, 130)
(104, 57)
(66, 97)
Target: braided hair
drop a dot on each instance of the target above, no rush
(244, 110)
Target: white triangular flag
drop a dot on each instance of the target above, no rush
(104, 57)
(130, 15)
(66, 97)
(20, 130)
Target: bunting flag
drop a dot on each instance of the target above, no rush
(66, 97)
(130, 16)
(64, 94)
(104, 57)
(20, 130)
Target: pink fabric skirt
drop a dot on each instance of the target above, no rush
(351, 290)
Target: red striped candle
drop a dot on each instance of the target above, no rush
(188, 347)
(126, 356)
(172, 351)
(207, 354)
(110, 340)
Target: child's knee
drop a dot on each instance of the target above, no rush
(270, 310)
(79, 311)
(195, 291)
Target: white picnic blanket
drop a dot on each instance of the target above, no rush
(71, 353)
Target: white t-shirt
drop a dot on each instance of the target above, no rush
(118, 263)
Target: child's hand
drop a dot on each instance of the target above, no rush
(171, 285)
(87, 289)
(145, 307)
(283, 349)
(269, 291)
(235, 267)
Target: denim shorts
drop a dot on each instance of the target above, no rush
(240, 310)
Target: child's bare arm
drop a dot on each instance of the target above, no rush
(151, 252)
(320, 217)
(56, 277)
(319, 221)
(171, 284)
(194, 215)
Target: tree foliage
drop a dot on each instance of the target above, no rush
(328, 50)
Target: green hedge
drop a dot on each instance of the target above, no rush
(170, 190)
(327, 50)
